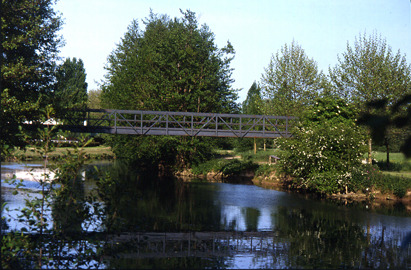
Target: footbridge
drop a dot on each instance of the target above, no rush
(177, 123)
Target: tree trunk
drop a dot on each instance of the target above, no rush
(369, 150)
(387, 145)
(255, 146)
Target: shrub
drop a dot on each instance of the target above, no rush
(400, 191)
(367, 177)
(224, 166)
(265, 170)
(236, 166)
(325, 182)
(208, 166)
(392, 166)
(321, 156)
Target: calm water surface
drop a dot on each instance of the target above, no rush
(219, 225)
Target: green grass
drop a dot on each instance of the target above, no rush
(394, 157)
(92, 152)
(399, 174)
(399, 164)
(260, 157)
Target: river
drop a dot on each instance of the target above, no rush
(175, 224)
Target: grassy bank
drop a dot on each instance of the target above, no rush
(95, 152)
(392, 181)
(230, 162)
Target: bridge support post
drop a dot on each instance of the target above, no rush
(115, 122)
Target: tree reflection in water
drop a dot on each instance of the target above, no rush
(300, 237)
(318, 241)
(166, 223)
(137, 201)
(322, 240)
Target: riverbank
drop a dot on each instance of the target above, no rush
(94, 152)
(388, 186)
(233, 167)
(376, 197)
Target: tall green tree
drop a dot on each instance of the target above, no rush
(291, 81)
(94, 101)
(71, 87)
(369, 71)
(253, 102)
(171, 65)
(29, 47)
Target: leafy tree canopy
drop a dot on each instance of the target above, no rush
(369, 70)
(253, 104)
(29, 46)
(332, 109)
(94, 99)
(71, 87)
(398, 117)
(291, 81)
(172, 65)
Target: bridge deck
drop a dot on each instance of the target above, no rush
(177, 123)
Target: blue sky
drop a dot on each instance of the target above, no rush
(257, 29)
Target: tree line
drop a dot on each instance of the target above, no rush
(164, 63)
(369, 76)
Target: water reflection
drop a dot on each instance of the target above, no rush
(164, 222)
(138, 202)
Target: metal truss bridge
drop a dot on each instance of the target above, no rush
(177, 123)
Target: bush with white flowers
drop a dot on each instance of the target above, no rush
(322, 152)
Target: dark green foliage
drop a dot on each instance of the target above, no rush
(71, 87)
(253, 104)
(29, 47)
(392, 166)
(387, 116)
(15, 251)
(325, 148)
(243, 144)
(235, 167)
(368, 177)
(330, 108)
(160, 152)
(265, 170)
(400, 190)
(224, 166)
(173, 65)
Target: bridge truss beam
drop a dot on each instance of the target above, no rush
(178, 123)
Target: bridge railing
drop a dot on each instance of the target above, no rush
(180, 123)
